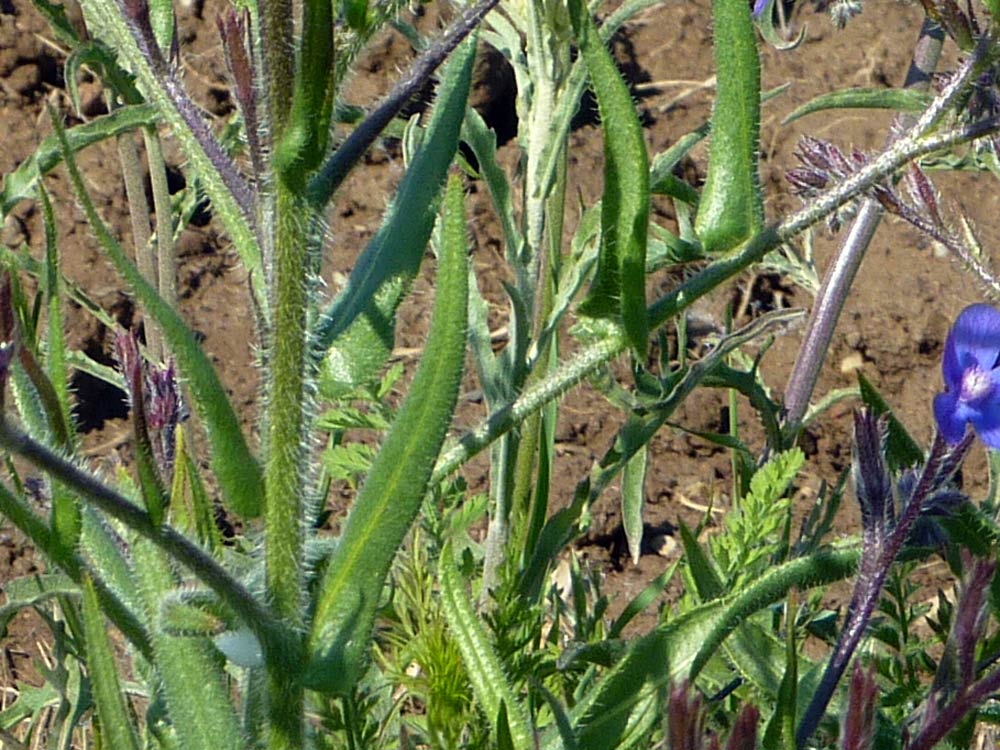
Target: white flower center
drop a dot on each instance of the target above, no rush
(976, 384)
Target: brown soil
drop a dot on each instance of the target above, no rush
(894, 323)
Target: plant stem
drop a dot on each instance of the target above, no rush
(875, 565)
(139, 215)
(571, 372)
(166, 259)
(329, 176)
(258, 618)
(945, 721)
(841, 272)
(277, 45)
(284, 473)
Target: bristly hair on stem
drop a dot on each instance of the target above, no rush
(880, 548)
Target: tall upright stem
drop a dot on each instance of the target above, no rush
(278, 58)
(284, 483)
(840, 275)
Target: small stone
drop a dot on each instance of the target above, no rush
(663, 545)
(13, 232)
(852, 363)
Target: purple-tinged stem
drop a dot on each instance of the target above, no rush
(136, 15)
(875, 565)
(955, 711)
(840, 275)
(335, 169)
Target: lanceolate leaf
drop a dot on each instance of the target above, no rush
(633, 497)
(20, 184)
(391, 496)
(356, 332)
(116, 723)
(901, 100)
(482, 665)
(621, 267)
(902, 451)
(731, 207)
(237, 470)
(29, 591)
(190, 674)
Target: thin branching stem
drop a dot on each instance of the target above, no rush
(166, 258)
(256, 616)
(874, 569)
(844, 267)
(948, 717)
(574, 370)
(139, 217)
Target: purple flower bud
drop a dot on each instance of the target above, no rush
(758, 7)
(686, 719)
(744, 733)
(971, 377)
(859, 719)
(872, 483)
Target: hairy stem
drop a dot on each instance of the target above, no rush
(875, 567)
(284, 473)
(257, 617)
(571, 372)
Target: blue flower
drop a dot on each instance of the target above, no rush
(971, 368)
(758, 7)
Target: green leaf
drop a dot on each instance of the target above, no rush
(58, 21)
(483, 142)
(902, 451)
(190, 673)
(238, 472)
(99, 58)
(384, 510)
(161, 18)
(31, 701)
(621, 266)
(900, 100)
(993, 8)
(30, 591)
(20, 184)
(765, 22)
(780, 732)
(633, 497)
(482, 665)
(55, 359)
(680, 649)
(355, 334)
(731, 208)
(190, 505)
(187, 612)
(642, 600)
(116, 722)
(303, 142)
(707, 582)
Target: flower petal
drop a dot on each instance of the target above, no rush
(975, 337)
(987, 424)
(950, 422)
